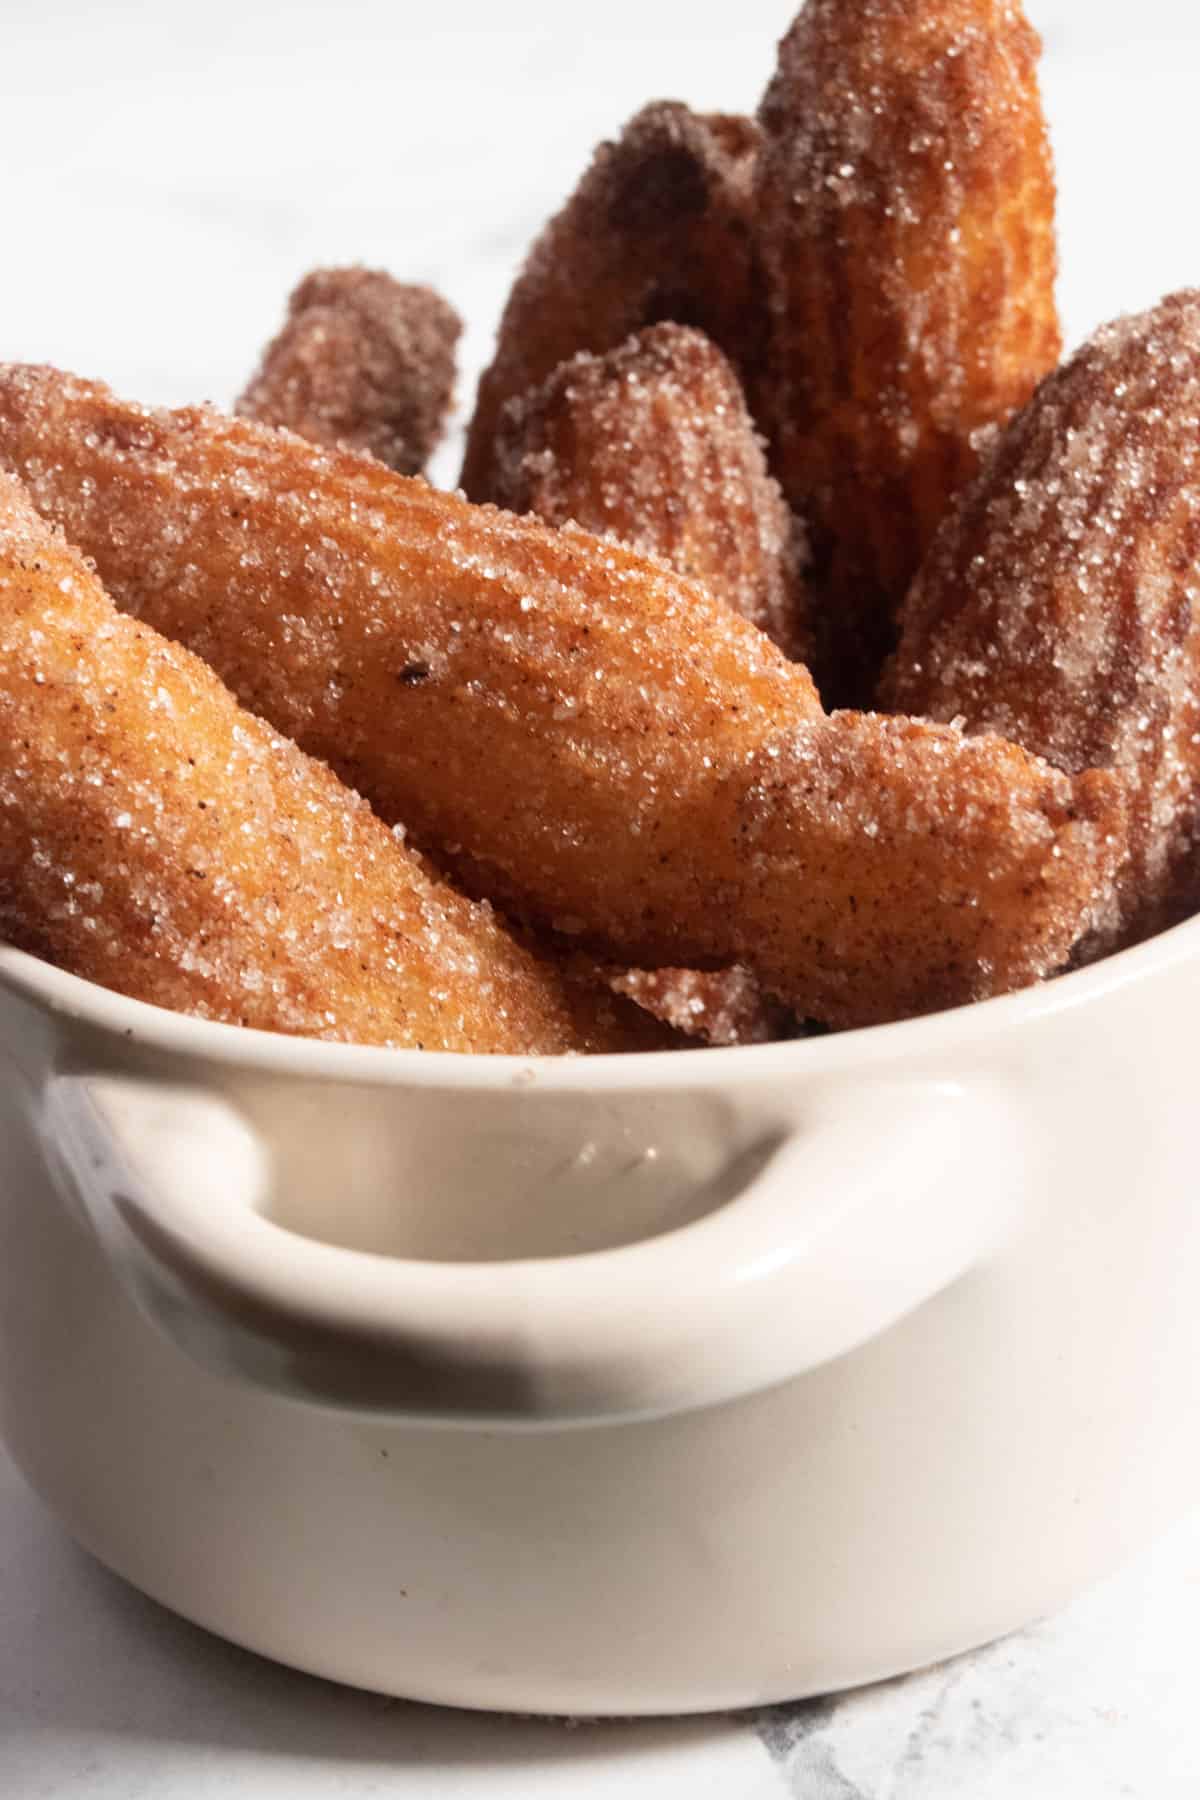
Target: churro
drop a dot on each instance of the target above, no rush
(597, 742)
(652, 444)
(363, 362)
(1059, 602)
(158, 840)
(661, 227)
(906, 213)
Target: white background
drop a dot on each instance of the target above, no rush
(166, 173)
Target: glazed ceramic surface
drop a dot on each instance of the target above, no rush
(608, 1385)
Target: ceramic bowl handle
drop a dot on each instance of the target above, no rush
(869, 1207)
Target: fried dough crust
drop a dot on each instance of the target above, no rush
(906, 209)
(659, 228)
(1060, 603)
(603, 746)
(652, 444)
(361, 361)
(158, 840)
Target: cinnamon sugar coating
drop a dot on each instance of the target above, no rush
(362, 361)
(610, 750)
(722, 1006)
(906, 207)
(158, 840)
(1060, 603)
(659, 228)
(652, 444)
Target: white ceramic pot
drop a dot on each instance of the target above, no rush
(598, 1386)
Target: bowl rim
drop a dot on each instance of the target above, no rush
(137, 1024)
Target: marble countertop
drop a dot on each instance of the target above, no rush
(166, 172)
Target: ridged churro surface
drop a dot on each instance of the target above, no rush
(659, 228)
(605, 747)
(652, 444)
(158, 840)
(361, 361)
(1060, 604)
(905, 207)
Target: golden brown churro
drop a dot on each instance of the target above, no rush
(736, 528)
(362, 361)
(160, 841)
(906, 208)
(609, 749)
(660, 227)
(652, 444)
(1060, 603)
